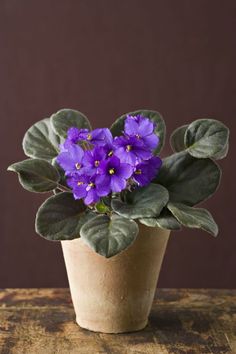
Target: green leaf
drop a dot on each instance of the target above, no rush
(165, 221)
(194, 217)
(177, 139)
(60, 217)
(109, 236)
(143, 202)
(61, 173)
(189, 180)
(40, 141)
(206, 138)
(177, 143)
(160, 130)
(68, 118)
(36, 175)
(222, 154)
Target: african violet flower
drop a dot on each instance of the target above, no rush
(131, 150)
(71, 159)
(74, 135)
(99, 136)
(146, 171)
(143, 129)
(114, 174)
(86, 187)
(93, 158)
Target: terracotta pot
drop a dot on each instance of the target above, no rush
(115, 295)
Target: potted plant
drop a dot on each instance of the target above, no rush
(115, 202)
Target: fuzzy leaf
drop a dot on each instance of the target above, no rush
(67, 118)
(194, 217)
(177, 139)
(206, 138)
(61, 173)
(222, 154)
(189, 180)
(143, 202)
(160, 130)
(40, 141)
(109, 236)
(60, 217)
(165, 221)
(36, 175)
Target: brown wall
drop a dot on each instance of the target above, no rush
(107, 57)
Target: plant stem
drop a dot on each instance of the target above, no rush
(63, 188)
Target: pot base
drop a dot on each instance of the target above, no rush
(115, 329)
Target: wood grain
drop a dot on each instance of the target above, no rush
(35, 321)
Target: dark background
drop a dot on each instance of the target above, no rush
(106, 58)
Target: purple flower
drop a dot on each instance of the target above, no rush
(100, 136)
(147, 170)
(86, 187)
(78, 183)
(142, 128)
(131, 150)
(73, 136)
(114, 174)
(71, 160)
(92, 159)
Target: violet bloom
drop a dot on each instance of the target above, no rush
(113, 174)
(87, 188)
(143, 129)
(99, 136)
(92, 159)
(146, 171)
(71, 160)
(131, 150)
(74, 135)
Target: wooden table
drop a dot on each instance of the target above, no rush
(182, 321)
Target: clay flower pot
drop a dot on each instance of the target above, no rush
(115, 295)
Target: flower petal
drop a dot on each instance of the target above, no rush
(103, 185)
(126, 157)
(146, 127)
(125, 170)
(91, 197)
(108, 136)
(76, 152)
(103, 189)
(80, 192)
(117, 184)
(143, 153)
(151, 141)
(131, 126)
(65, 161)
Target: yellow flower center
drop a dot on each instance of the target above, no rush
(77, 166)
(138, 172)
(110, 153)
(80, 183)
(89, 137)
(112, 171)
(91, 185)
(128, 148)
(96, 163)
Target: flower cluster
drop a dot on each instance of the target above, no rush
(96, 164)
